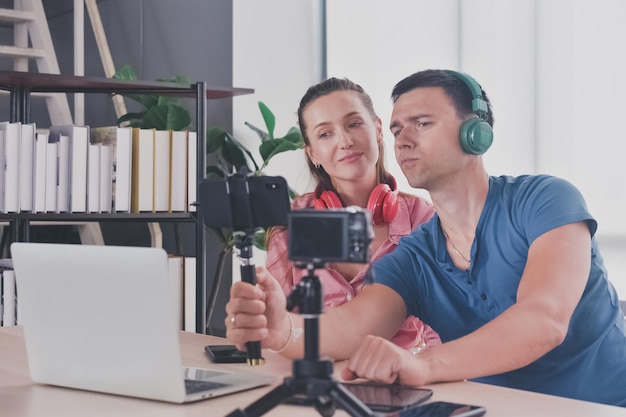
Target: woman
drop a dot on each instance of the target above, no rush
(345, 154)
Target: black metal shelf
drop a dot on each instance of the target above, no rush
(22, 84)
(99, 217)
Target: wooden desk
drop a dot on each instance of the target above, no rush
(19, 397)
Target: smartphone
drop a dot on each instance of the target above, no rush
(444, 409)
(225, 354)
(241, 202)
(378, 397)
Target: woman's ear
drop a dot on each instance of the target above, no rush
(308, 151)
(379, 130)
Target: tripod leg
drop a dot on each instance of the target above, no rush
(265, 403)
(347, 401)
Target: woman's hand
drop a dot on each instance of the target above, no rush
(257, 313)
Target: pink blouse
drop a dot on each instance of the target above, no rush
(412, 211)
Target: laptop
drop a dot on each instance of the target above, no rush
(101, 318)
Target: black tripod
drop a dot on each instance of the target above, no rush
(312, 377)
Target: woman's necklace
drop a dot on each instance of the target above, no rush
(458, 252)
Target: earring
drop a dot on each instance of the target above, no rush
(315, 164)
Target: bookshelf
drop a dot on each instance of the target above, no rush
(20, 85)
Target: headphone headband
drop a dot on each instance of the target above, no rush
(479, 105)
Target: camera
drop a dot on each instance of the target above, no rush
(332, 235)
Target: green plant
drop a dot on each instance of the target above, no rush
(231, 155)
(158, 112)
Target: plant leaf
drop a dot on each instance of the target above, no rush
(233, 154)
(130, 117)
(166, 117)
(178, 79)
(263, 135)
(269, 148)
(259, 239)
(269, 118)
(215, 137)
(246, 151)
(127, 72)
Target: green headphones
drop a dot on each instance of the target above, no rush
(476, 134)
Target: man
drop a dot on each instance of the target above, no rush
(507, 272)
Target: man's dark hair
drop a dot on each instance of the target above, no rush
(454, 88)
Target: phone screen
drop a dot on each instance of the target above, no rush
(378, 397)
(444, 409)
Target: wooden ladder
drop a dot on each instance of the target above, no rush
(32, 41)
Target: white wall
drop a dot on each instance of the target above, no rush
(277, 50)
(553, 69)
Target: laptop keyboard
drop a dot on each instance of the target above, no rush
(193, 385)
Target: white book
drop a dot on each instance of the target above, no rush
(39, 183)
(9, 301)
(27, 166)
(162, 149)
(51, 174)
(120, 138)
(178, 178)
(2, 164)
(123, 164)
(190, 294)
(63, 174)
(93, 178)
(142, 188)
(12, 133)
(176, 275)
(192, 163)
(77, 162)
(106, 178)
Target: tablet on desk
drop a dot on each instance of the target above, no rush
(378, 397)
(444, 409)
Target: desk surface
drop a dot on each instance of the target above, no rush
(20, 397)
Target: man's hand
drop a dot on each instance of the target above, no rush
(379, 360)
(257, 312)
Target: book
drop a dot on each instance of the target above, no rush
(1, 172)
(162, 148)
(106, 178)
(39, 182)
(12, 133)
(192, 166)
(120, 138)
(178, 168)
(93, 178)
(190, 294)
(176, 275)
(9, 298)
(142, 177)
(27, 166)
(51, 173)
(78, 137)
(63, 173)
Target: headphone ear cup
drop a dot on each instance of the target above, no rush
(327, 199)
(475, 136)
(383, 204)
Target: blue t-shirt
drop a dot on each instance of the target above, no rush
(590, 364)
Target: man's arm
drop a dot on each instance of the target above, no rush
(260, 314)
(551, 286)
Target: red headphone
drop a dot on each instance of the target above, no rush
(383, 201)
